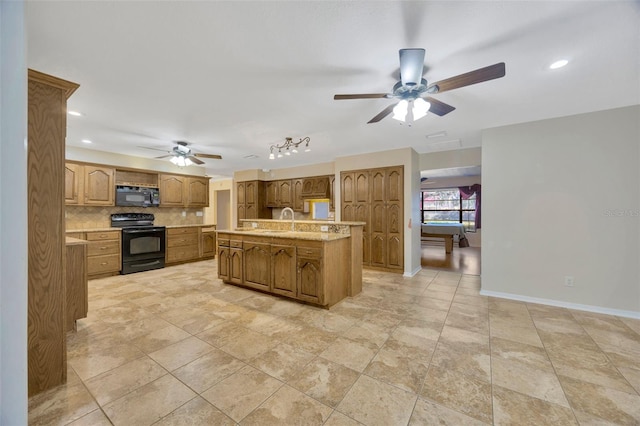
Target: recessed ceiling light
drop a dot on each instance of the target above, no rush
(76, 113)
(86, 141)
(558, 64)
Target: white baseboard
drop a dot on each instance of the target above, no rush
(561, 304)
(413, 273)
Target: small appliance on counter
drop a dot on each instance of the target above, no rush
(136, 196)
(143, 245)
(317, 207)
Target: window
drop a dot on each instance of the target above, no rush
(447, 206)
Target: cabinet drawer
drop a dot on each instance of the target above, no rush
(235, 243)
(103, 236)
(183, 240)
(312, 252)
(103, 264)
(182, 253)
(182, 231)
(223, 242)
(101, 248)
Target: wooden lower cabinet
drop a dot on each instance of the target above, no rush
(283, 270)
(208, 243)
(183, 244)
(76, 283)
(103, 253)
(312, 271)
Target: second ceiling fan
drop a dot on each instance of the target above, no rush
(412, 88)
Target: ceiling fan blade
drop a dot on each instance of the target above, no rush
(195, 160)
(164, 156)
(439, 108)
(361, 96)
(411, 64)
(155, 149)
(383, 113)
(473, 77)
(214, 156)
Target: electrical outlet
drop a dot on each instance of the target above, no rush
(184, 213)
(254, 225)
(569, 281)
(324, 228)
(199, 213)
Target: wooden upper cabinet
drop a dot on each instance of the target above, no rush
(73, 183)
(296, 195)
(332, 191)
(198, 192)
(284, 193)
(316, 187)
(173, 190)
(252, 192)
(89, 185)
(271, 193)
(361, 187)
(99, 186)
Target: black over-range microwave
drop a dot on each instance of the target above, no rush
(137, 196)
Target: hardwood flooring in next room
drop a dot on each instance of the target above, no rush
(465, 260)
(176, 346)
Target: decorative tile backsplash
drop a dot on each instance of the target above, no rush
(84, 217)
(300, 226)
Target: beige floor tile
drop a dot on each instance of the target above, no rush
(325, 381)
(430, 302)
(242, 392)
(282, 362)
(632, 323)
(139, 328)
(366, 332)
(605, 374)
(61, 405)
(250, 345)
(161, 338)
(372, 402)
(513, 408)
(181, 353)
(193, 320)
(632, 375)
(605, 403)
(471, 359)
(222, 334)
(398, 368)
(325, 320)
(429, 413)
(339, 419)
(459, 392)
(196, 412)
(289, 406)
(122, 313)
(531, 355)
(94, 418)
(309, 339)
(99, 360)
(507, 329)
(150, 403)
(520, 377)
(354, 355)
(113, 384)
(208, 370)
(468, 321)
(253, 319)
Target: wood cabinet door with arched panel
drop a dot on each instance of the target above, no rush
(283, 272)
(173, 190)
(257, 265)
(73, 183)
(99, 188)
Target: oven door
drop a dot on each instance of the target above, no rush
(141, 244)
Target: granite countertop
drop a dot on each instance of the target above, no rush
(313, 222)
(203, 225)
(75, 241)
(298, 235)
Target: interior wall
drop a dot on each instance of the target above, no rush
(561, 197)
(13, 215)
(210, 213)
(449, 159)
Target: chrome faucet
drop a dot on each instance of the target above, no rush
(288, 209)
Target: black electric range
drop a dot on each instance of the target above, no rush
(143, 244)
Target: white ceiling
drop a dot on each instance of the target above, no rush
(234, 77)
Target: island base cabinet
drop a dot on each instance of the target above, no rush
(316, 272)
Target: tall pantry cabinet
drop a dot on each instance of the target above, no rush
(376, 197)
(46, 343)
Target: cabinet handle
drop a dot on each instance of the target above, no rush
(104, 263)
(103, 248)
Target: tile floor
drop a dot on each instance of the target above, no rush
(176, 346)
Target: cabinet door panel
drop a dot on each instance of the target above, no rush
(377, 186)
(309, 280)
(393, 219)
(72, 183)
(257, 265)
(395, 184)
(284, 270)
(378, 250)
(378, 218)
(271, 189)
(172, 191)
(366, 249)
(348, 188)
(284, 193)
(251, 192)
(298, 204)
(223, 263)
(363, 214)
(348, 212)
(99, 186)
(240, 193)
(198, 192)
(208, 244)
(394, 252)
(235, 266)
(362, 187)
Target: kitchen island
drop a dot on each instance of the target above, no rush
(318, 262)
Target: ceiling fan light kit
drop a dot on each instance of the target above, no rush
(289, 147)
(182, 156)
(412, 87)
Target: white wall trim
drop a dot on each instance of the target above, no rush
(561, 304)
(412, 273)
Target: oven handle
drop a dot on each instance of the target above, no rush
(142, 265)
(137, 231)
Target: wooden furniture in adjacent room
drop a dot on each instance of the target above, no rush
(445, 231)
(46, 342)
(376, 197)
(76, 282)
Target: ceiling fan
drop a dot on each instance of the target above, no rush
(411, 88)
(182, 155)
